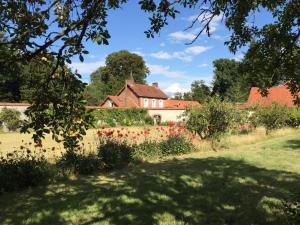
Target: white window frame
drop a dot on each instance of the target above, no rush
(146, 102)
(161, 103)
(153, 103)
(110, 104)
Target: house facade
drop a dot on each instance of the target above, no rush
(133, 95)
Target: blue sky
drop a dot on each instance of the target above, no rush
(172, 63)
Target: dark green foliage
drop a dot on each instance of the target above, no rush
(228, 82)
(18, 171)
(10, 118)
(147, 150)
(292, 209)
(176, 145)
(122, 117)
(79, 163)
(213, 119)
(293, 119)
(272, 117)
(199, 92)
(115, 155)
(109, 79)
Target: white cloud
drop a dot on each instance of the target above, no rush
(182, 36)
(86, 67)
(239, 57)
(174, 55)
(162, 44)
(161, 55)
(196, 50)
(185, 55)
(139, 53)
(165, 71)
(175, 87)
(190, 34)
(203, 65)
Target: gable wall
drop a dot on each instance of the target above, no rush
(128, 94)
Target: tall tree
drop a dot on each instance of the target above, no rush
(228, 82)
(40, 29)
(109, 79)
(199, 92)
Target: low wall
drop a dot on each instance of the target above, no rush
(21, 107)
(167, 114)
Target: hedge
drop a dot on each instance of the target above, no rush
(121, 117)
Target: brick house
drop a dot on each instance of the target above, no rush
(278, 94)
(133, 95)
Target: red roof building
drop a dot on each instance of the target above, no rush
(134, 95)
(277, 94)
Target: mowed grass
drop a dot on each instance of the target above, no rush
(245, 184)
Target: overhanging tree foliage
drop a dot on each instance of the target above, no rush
(39, 30)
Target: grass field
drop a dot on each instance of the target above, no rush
(245, 184)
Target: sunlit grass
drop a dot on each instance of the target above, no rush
(243, 184)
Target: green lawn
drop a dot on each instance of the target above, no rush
(243, 185)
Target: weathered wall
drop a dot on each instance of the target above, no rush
(168, 114)
(129, 95)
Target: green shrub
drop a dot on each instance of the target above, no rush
(147, 150)
(122, 117)
(293, 119)
(273, 117)
(115, 155)
(78, 163)
(176, 145)
(10, 118)
(213, 119)
(22, 171)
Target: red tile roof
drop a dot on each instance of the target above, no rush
(120, 102)
(170, 103)
(15, 104)
(144, 90)
(278, 94)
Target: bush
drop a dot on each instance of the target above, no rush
(114, 154)
(293, 119)
(147, 150)
(122, 117)
(213, 119)
(273, 117)
(10, 118)
(77, 163)
(22, 171)
(176, 145)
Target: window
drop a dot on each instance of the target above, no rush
(146, 102)
(161, 103)
(153, 103)
(110, 104)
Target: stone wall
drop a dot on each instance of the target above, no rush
(165, 114)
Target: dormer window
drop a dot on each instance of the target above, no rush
(146, 103)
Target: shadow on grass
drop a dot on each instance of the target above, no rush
(293, 144)
(192, 191)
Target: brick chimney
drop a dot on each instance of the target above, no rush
(155, 84)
